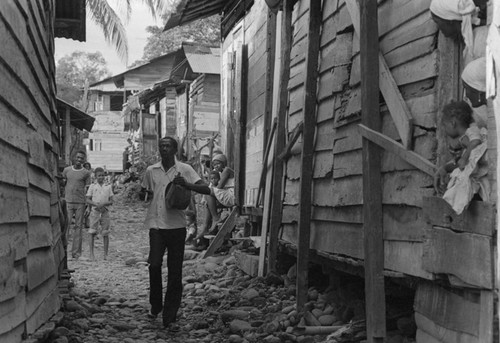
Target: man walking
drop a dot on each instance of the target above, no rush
(76, 177)
(167, 230)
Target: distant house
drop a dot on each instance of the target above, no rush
(106, 143)
(75, 125)
(185, 103)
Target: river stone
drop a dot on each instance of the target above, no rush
(229, 315)
(235, 339)
(327, 319)
(238, 325)
(249, 294)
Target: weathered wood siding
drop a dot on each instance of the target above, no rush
(256, 38)
(108, 141)
(30, 236)
(204, 103)
(408, 41)
(253, 33)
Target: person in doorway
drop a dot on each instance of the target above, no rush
(75, 179)
(469, 166)
(99, 198)
(167, 230)
(221, 193)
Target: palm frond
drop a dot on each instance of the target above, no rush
(124, 7)
(160, 7)
(106, 18)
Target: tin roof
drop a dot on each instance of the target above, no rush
(191, 10)
(78, 118)
(202, 59)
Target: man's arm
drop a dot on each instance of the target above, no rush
(198, 187)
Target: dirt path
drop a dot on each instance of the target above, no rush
(109, 300)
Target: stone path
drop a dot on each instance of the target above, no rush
(109, 300)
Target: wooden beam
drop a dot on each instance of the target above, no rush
(67, 136)
(267, 205)
(278, 168)
(372, 180)
(226, 228)
(264, 171)
(241, 118)
(306, 173)
(399, 150)
(486, 314)
(293, 139)
(398, 109)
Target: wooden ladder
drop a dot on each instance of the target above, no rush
(224, 230)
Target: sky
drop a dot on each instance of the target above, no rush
(136, 34)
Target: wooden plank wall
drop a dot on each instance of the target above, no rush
(408, 42)
(204, 98)
(30, 238)
(109, 131)
(256, 26)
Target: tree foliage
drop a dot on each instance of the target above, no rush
(111, 25)
(204, 31)
(72, 71)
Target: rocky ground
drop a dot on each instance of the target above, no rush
(109, 299)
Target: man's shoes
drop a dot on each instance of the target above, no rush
(173, 327)
(169, 320)
(153, 314)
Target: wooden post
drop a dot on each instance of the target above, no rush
(67, 136)
(277, 190)
(241, 118)
(372, 183)
(306, 173)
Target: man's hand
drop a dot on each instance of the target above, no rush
(179, 180)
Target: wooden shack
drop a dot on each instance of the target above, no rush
(352, 177)
(201, 72)
(185, 101)
(76, 125)
(31, 250)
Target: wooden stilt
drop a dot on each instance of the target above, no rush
(372, 183)
(306, 174)
(277, 188)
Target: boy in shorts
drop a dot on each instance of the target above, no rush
(99, 197)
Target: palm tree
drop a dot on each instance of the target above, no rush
(111, 25)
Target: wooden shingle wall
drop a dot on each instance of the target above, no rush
(30, 236)
(205, 106)
(256, 27)
(408, 42)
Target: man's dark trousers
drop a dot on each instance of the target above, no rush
(173, 241)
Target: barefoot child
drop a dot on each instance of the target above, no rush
(191, 227)
(99, 197)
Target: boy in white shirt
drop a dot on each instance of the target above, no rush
(99, 197)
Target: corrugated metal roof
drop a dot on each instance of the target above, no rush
(190, 10)
(202, 59)
(78, 118)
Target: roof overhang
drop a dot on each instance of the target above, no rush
(78, 118)
(191, 10)
(70, 19)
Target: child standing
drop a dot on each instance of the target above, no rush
(469, 165)
(99, 197)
